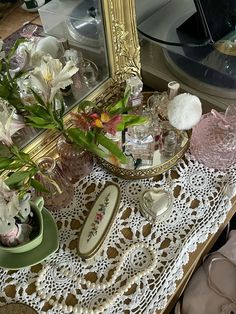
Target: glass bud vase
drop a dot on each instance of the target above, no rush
(60, 190)
(76, 162)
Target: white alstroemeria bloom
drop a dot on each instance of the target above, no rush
(2, 53)
(51, 76)
(8, 127)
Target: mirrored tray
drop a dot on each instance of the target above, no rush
(159, 162)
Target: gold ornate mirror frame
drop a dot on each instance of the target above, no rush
(124, 60)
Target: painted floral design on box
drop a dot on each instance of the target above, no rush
(99, 217)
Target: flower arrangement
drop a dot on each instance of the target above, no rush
(90, 124)
(91, 127)
(15, 185)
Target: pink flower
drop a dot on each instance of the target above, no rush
(80, 120)
(111, 125)
(107, 123)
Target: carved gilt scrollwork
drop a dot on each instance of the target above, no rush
(123, 39)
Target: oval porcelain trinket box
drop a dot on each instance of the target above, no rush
(99, 221)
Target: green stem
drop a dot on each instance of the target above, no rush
(29, 163)
(58, 124)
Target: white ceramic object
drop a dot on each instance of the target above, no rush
(156, 204)
(99, 221)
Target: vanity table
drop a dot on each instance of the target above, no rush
(142, 267)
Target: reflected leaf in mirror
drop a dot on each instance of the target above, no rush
(9, 89)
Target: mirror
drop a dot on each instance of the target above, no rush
(114, 51)
(195, 60)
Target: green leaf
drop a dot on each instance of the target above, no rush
(84, 140)
(15, 165)
(5, 162)
(37, 120)
(82, 106)
(111, 147)
(42, 126)
(38, 98)
(38, 111)
(62, 110)
(121, 105)
(130, 120)
(38, 185)
(4, 92)
(17, 177)
(24, 156)
(14, 47)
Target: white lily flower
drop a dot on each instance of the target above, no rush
(51, 76)
(8, 127)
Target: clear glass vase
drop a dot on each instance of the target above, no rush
(76, 162)
(60, 190)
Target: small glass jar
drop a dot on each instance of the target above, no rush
(170, 144)
(76, 162)
(60, 190)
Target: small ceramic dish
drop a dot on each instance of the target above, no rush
(37, 236)
(156, 204)
(47, 247)
(99, 221)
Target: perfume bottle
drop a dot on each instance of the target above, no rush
(140, 144)
(151, 112)
(173, 89)
(158, 102)
(170, 144)
(135, 85)
(90, 74)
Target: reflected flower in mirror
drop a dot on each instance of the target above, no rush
(9, 89)
(52, 76)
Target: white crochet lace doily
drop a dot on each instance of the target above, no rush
(140, 262)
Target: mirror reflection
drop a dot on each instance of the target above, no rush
(183, 38)
(72, 32)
